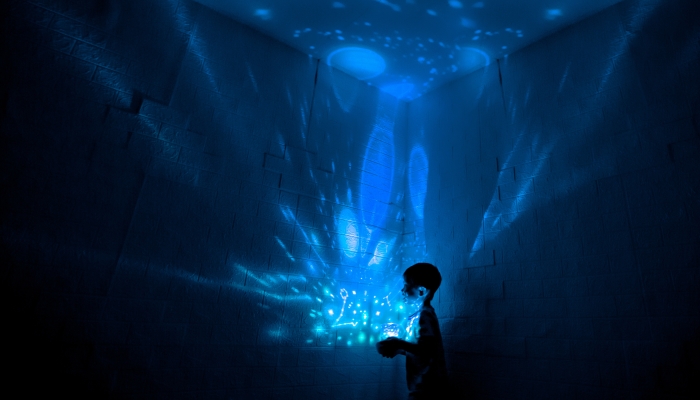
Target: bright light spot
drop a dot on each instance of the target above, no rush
(263, 14)
(553, 14)
(418, 179)
(354, 292)
(455, 4)
(358, 62)
(431, 12)
(377, 313)
(349, 234)
(330, 312)
(466, 22)
(394, 7)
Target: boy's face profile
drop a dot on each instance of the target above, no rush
(412, 292)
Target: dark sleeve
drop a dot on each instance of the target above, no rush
(428, 331)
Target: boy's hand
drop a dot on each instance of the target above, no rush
(390, 347)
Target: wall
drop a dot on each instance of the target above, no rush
(188, 205)
(562, 198)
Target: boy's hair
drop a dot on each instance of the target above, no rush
(424, 274)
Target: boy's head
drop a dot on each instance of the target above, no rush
(422, 276)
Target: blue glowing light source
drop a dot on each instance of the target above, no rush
(357, 61)
(455, 4)
(390, 330)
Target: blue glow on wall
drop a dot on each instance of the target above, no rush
(377, 174)
(357, 61)
(349, 234)
(418, 179)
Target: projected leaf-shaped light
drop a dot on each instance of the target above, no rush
(357, 61)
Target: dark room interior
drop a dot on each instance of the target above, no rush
(218, 199)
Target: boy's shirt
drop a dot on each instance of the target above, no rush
(426, 374)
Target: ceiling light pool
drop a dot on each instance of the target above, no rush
(359, 62)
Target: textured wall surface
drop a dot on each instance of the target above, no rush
(184, 199)
(563, 192)
(187, 206)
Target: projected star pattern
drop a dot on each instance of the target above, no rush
(361, 302)
(408, 47)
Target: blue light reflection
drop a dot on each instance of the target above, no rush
(357, 61)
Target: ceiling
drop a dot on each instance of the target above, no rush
(408, 47)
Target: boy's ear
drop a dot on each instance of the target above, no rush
(422, 291)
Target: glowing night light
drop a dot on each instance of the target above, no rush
(390, 330)
(359, 62)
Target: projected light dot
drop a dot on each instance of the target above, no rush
(359, 62)
(553, 14)
(263, 14)
(473, 58)
(455, 4)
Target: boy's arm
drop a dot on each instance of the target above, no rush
(424, 348)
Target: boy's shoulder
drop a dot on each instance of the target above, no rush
(428, 316)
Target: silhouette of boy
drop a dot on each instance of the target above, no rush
(425, 359)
